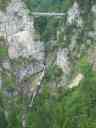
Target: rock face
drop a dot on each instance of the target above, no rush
(29, 70)
(20, 31)
(63, 60)
(74, 15)
(20, 34)
(17, 26)
(15, 18)
(76, 81)
(23, 44)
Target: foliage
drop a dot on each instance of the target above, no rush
(3, 52)
(67, 109)
(10, 110)
(83, 65)
(74, 108)
(40, 24)
(3, 121)
(54, 73)
(42, 5)
(48, 26)
(3, 4)
(70, 109)
(8, 80)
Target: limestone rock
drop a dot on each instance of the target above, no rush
(28, 71)
(76, 81)
(15, 18)
(74, 15)
(19, 29)
(23, 44)
(63, 60)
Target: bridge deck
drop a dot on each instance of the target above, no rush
(47, 14)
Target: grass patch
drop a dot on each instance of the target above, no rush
(3, 52)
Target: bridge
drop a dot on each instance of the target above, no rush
(47, 14)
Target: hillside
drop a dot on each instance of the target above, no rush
(47, 64)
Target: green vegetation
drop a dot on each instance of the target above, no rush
(74, 108)
(42, 5)
(47, 27)
(3, 52)
(3, 122)
(69, 109)
(8, 81)
(54, 74)
(4, 4)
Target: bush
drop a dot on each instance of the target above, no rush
(4, 4)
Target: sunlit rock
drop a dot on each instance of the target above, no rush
(76, 81)
(74, 15)
(23, 44)
(64, 63)
(29, 70)
(63, 60)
